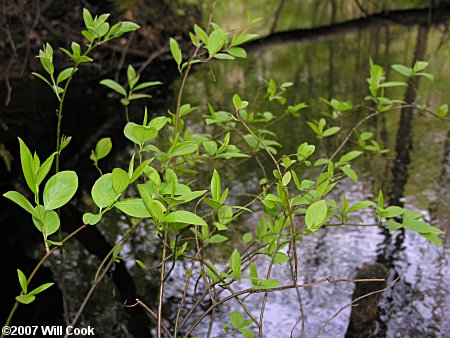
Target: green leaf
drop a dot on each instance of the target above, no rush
(185, 217)
(254, 274)
(176, 51)
(426, 75)
(143, 133)
(393, 84)
(216, 188)
(225, 214)
(141, 264)
(442, 110)
(157, 211)
(27, 162)
(269, 284)
(420, 65)
(44, 169)
(286, 178)
(360, 205)
(194, 39)
(59, 189)
(247, 333)
(417, 226)
(280, 258)
(87, 17)
(403, 70)
(84, 58)
(41, 288)
(19, 199)
(380, 199)
(120, 180)
(242, 38)
(89, 36)
(237, 319)
(42, 78)
(393, 225)
(129, 134)
(51, 222)
(300, 200)
(184, 148)
(103, 147)
(23, 281)
(48, 65)
(349, 156)
(138, 96)
(305, 150)
(25, 299)
(103, 192)
(131, 76)
(146, 85)
(54, 242)
(216, 40)
(238, 103)
(247, 238)
(365, 136)
(114, 86)
(217, 239)
(91, 219)
(392, 211)
(133, 207)
(76, 50)
(158, 122)
(237, 52)
(223, 56)
(201, 33)
(65, 74)
(350, 173)
(126, 27)
(235, 264)
(433, 238)
(140, 169)
(330, 131)
(316, 214)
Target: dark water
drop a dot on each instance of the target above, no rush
(418, 304)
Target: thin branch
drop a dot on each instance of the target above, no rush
(349, 135)
(353, 302)
(153, 314)
(88, 295)
(277, 289)
(161, 286)
(43, 259)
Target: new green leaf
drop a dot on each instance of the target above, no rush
(103, 192)
(60, 188)
(316, 214)
(186, 217)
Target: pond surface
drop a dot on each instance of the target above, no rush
(333, 67)
(418, 304)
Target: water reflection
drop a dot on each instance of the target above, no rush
(417, 305)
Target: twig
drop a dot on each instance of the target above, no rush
(88, 295)
(161, 286)
(299, 298)
(353, 302)
(43, 259)
(349, 135)
(123, 55)
(153, 314)
(277, 289)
